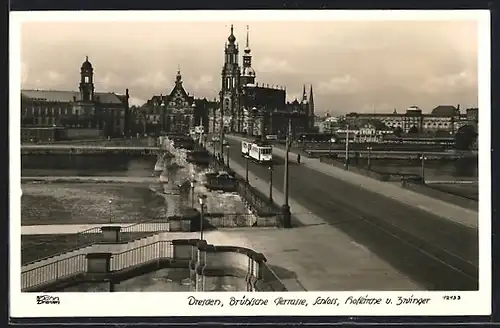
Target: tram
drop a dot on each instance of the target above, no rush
(259, 151)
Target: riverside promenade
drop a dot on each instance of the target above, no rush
(433, 206)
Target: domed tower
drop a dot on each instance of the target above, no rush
(248, 73)
(230, 90)
(86, 81)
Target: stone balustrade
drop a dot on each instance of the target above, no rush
(207, 263)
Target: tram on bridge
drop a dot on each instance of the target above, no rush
(258, 151)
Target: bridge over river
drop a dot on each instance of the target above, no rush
(87, 149)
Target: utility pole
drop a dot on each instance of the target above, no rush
(287, 216)
(347, 148)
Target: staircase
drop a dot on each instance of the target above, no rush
(73, 262)
(86, 238)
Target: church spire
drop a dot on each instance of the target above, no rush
(304, 94)
(311, 99)
(178, 76)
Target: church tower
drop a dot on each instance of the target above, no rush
(304, 95)
(311, 109)
(230, 90)
(87, 81)
(248, 74)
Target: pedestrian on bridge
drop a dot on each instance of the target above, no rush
(298, 159)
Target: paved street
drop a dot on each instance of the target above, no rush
(438, 253)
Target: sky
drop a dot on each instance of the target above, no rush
(354, 66)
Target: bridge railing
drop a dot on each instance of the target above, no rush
(77, 264)
(93, 235)
(142, 254)
(53, 271)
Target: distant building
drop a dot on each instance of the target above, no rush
(254, 109)
(365, 131)
(443, 118)
(84, 112)
(177, 111)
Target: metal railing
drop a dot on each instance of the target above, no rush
(239, 220)
(92, 236)
(77, 264)
(142, 254)
(53, 271)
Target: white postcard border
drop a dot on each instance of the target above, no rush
(177, 303)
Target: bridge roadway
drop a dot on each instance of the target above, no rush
(91, 179)
(85, 147)
(438, 253)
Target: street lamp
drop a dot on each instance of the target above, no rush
(422, 167)
(192, 193)
(330, 143)
(347, 148)
(271, 183)
(369, 148)
(287, 216)
(201, 200)
(246, 168)
(254, 114)
(110, 201)
(227, 155)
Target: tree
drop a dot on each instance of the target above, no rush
(398, 132)
(465, 137)
(413, 130)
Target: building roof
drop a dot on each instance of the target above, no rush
(68, 96)
(444, 110)
(377, 124)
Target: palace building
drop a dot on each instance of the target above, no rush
(178, 111)
(82, 112)
(253, 109)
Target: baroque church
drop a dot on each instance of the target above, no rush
(253, 109)
(80, 112)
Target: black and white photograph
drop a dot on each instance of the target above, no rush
(173, 163)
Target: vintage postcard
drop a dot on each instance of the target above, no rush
(250, 163)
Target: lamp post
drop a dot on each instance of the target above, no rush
(162, 115)
(254, 114)
(369, 148)
(330, 143)
(192, 193)
(347, 148)
(422, 167)
(246, 168)
(287, 216)
(227, 155)
(201, 200)
(271, 183)
(109, 210)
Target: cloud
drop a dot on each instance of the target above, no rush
(450, 82)
(154, 80)
(271, 65)
(293, 95)
(135, 101)
(54, 77)
(203, 83)
(24, 73)
(339, 85)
